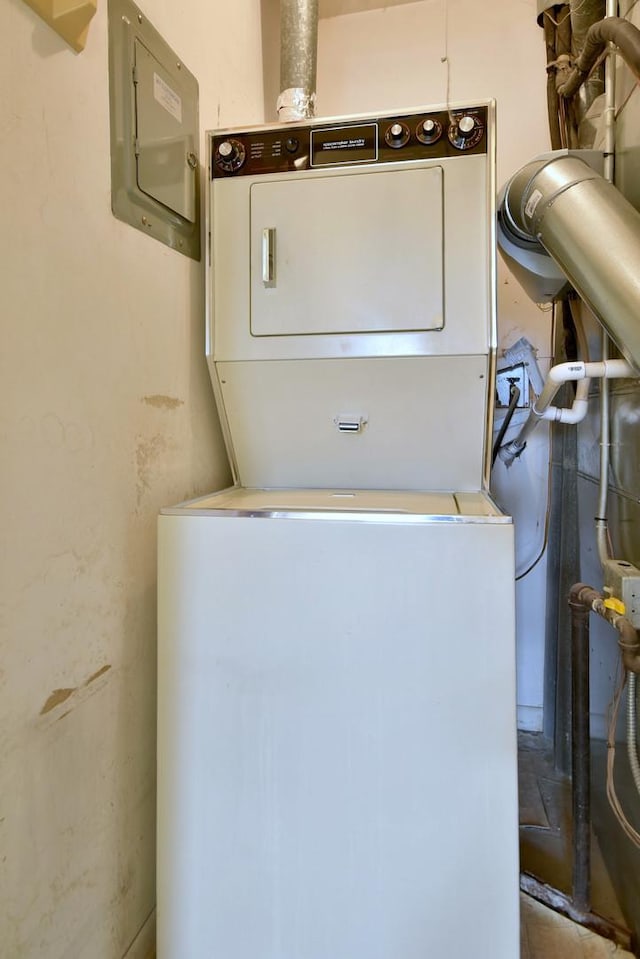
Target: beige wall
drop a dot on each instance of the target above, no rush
(105, 415)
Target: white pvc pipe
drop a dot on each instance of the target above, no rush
(565, 372)
(576, 412)
(557, 375)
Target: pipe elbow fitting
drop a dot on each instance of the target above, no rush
(574, 415)
(630, 656)
(584, 597)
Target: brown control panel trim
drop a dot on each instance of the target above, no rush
(377, 140)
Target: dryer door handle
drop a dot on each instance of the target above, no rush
(269, 256)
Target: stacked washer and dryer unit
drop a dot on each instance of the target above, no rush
(337, 737)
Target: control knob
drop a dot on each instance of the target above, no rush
(466, 131)
(230, 155)
(466, 126)
(397, 135)
(429, 131)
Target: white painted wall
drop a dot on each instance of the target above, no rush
(105, 415)
(421, 53)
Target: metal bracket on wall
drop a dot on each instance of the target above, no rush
(69, 18)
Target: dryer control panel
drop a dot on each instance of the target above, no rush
(415, 136)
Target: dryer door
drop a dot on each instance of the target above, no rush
(348, 253)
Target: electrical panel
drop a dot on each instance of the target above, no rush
(154, 132)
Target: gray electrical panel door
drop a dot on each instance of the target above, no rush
(165, 141)
(356, 253)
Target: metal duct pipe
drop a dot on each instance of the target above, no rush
(298, 59)
(593, 234)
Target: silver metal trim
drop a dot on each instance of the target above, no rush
(350, 516)
(208, 324)
(493, 291)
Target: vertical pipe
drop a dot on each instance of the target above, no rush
(580, 755)
(298, 59)
(610, 101)
(553, 107)
(563, 56)
(602, 522)
(602, 526)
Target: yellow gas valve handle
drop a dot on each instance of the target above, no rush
(616, 605)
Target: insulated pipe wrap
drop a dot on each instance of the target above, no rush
(298, 59)
(612, 29)
(591, 232)
(584, 13)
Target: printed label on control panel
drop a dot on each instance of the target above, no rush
(344, 145)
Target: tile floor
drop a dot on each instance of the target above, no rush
(546, 829)
(546, 935)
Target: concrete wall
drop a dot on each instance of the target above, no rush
(428, 52)
(105, 415)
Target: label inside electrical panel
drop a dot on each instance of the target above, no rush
(167, 97)
(344, 145)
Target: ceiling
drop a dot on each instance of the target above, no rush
(336, 8)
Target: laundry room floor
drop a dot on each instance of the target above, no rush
(546, 935)
(546, 858)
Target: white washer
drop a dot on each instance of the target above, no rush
(337, 760)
